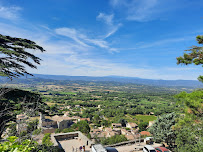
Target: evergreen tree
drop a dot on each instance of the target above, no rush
(194, 57)
(162, 130)
(15, 56)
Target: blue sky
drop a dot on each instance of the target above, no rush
(108, 37)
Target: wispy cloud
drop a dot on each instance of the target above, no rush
(145, 10)
(108, 20)
(158, 43)
(10, 13)
(83, 39)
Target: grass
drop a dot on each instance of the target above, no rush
(145, 118)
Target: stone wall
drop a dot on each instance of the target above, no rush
(51, 130)
(68, 136)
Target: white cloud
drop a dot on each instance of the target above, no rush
(111, 26)
(108, 19)
(71, 33)
(164, 42)
(143, 10)
(83, 39)
(10, 13)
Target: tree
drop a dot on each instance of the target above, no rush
(194, 57)
(162, 129)
(190, 125)
(82, 126)
(13, 101)
(113, 140)
(142, 126)
(47, 140)
(123, 122)
(15, 56)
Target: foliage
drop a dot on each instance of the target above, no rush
(14, 101)
(36, 132)
(47, 140)
(193, 103)
(194, 57)
(113, 140)
(190, 138)
(162, 129)
(189, 127)
(44, 148)
(32, 125)
(142, 126)
(13, 146)
(66, 130)
(105, 123)
(15, 57)
(123, 122)
(145, 118)
(12, 129)
(82, 126)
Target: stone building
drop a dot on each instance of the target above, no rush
(21, 124)
(50, 124)
(132, 125)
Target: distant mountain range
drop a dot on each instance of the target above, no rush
(135, 80)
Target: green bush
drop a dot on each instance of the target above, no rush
(113, 140)
(47, 140)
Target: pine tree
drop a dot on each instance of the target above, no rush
(15, 56)
(194, 57)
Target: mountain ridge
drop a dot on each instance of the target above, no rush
(134, 80)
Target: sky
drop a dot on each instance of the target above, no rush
(131, 38)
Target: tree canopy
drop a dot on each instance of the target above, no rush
(15, 56)
(162, 130)
(194, 57)
(190, 124)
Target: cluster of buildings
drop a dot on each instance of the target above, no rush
(48, 124)
(129, 131)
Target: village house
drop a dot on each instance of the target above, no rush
(127, 134)
(132, 125)
(111, 132)
(50, 124)
(84, 119)
(77, 106)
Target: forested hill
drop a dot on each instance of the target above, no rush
(135, 80)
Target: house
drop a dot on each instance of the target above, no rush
(116, 125)
(112, 132)
(50, 124)
(68, 107)
(150, 123)
(77, 106)
(151, 113)
(66, 113)
(84, 119)
(127, 134)
(145, 133)
(132, 125)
